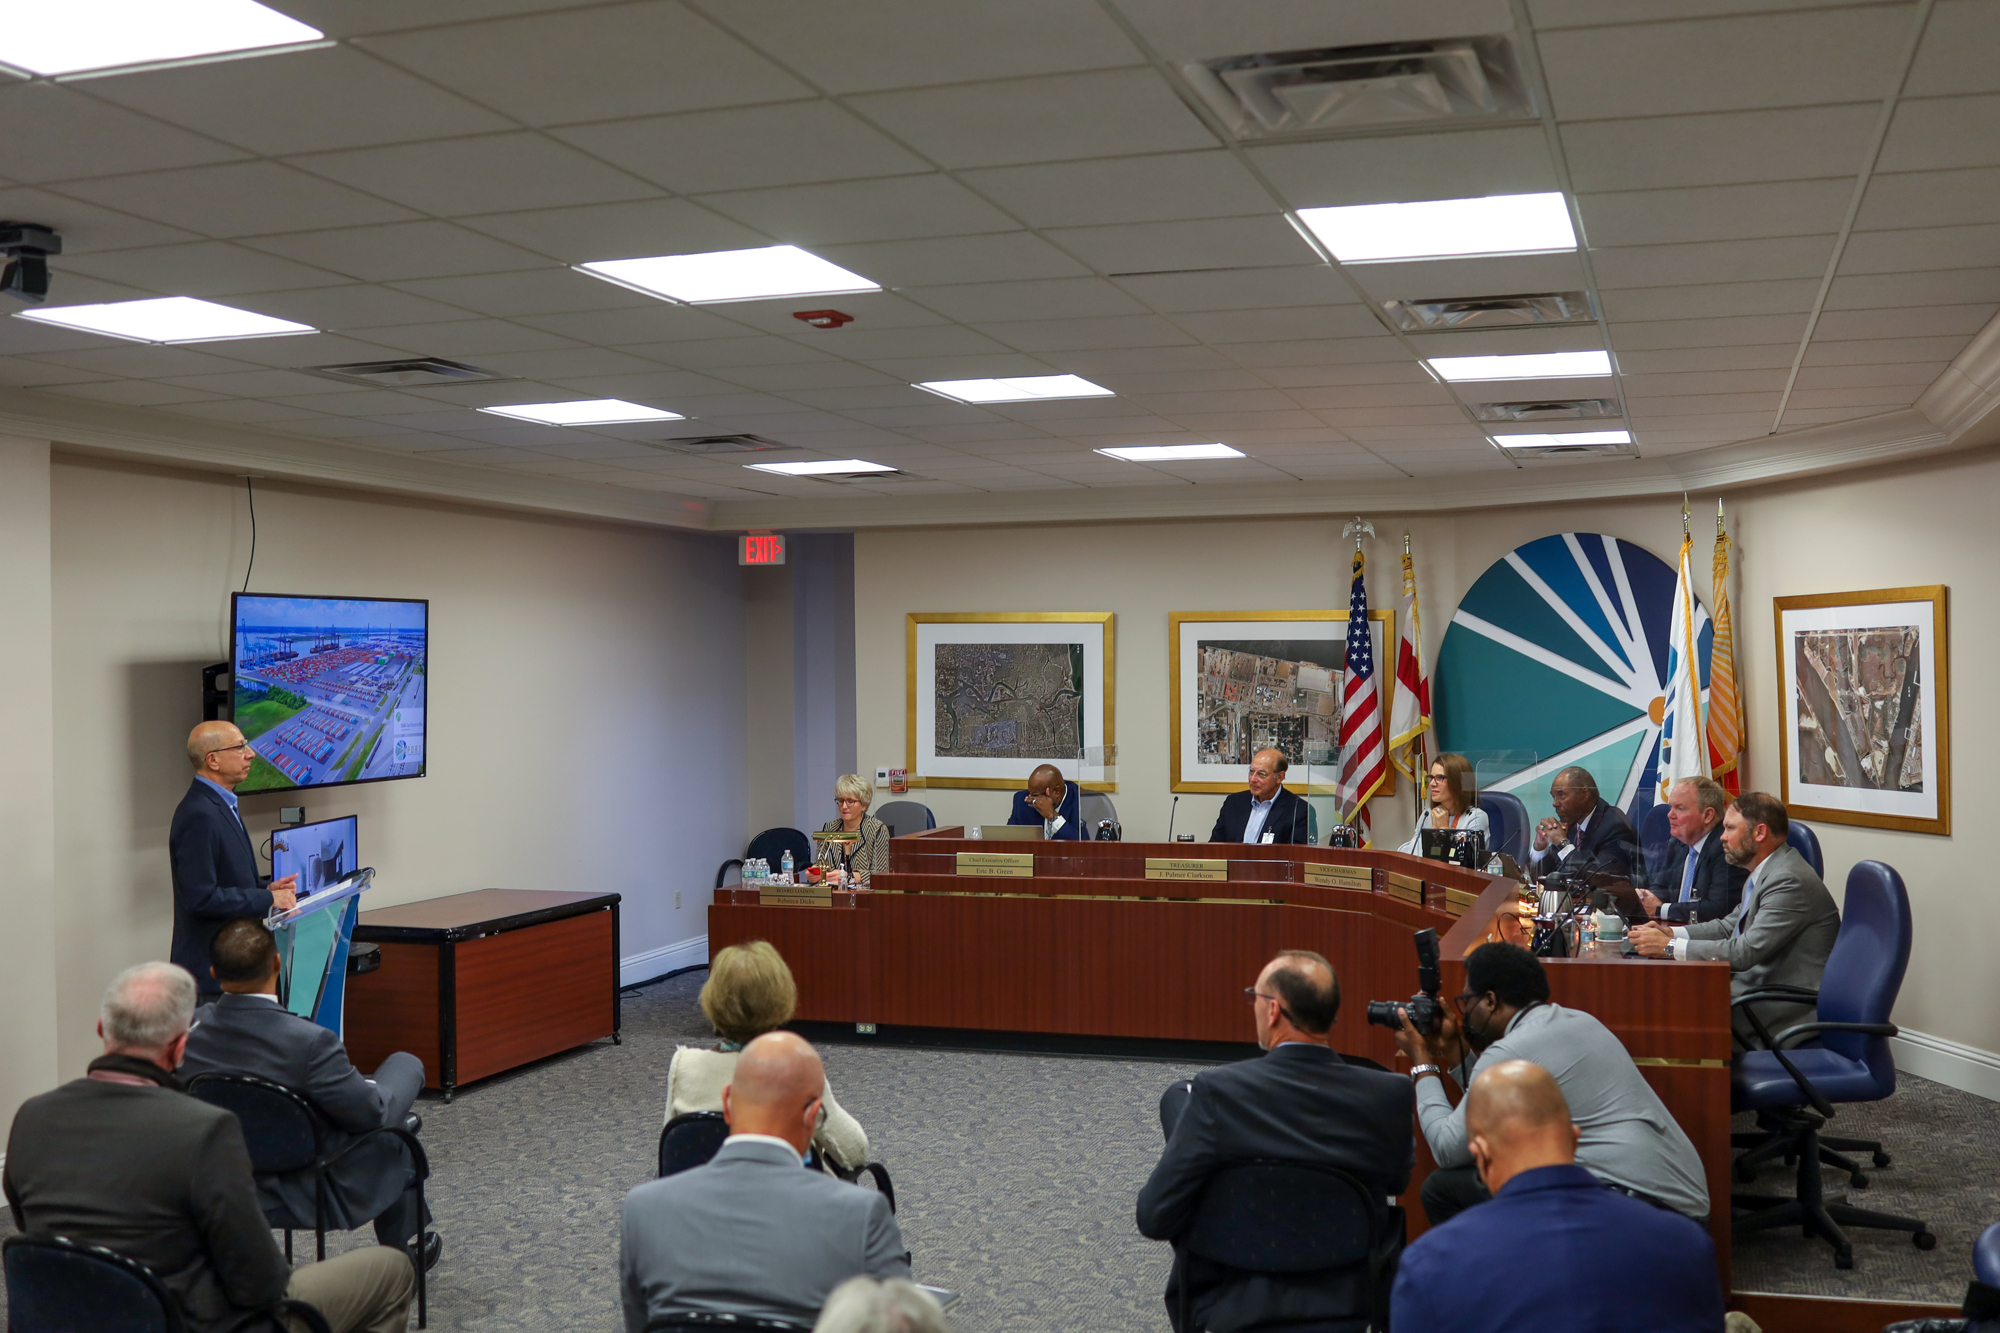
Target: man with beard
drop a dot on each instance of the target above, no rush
(1627, 1137)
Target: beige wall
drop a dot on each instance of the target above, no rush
(1916, 524)
(586, 718)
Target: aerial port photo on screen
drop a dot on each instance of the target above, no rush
(330, 690)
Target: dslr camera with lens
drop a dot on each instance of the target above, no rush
(1425, 1009)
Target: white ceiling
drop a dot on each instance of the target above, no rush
(1030, 182)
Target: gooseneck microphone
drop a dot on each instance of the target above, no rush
(1170, 818)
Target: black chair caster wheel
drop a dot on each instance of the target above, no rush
(1925, 1240)
(1859, 1180)
(1843, 1258)
(1881, 1159)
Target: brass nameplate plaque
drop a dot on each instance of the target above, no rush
(1174, 867)
(795, 895)
(1007, 865)
(1458, 902)
(1406, 887)
(1339, 877)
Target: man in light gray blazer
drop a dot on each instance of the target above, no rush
(1781, 934)
(751, 1233)
(248, 1032)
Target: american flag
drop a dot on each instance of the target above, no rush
(1363, 758)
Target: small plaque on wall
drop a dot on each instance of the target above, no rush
(1012, 865)
(1174, 867)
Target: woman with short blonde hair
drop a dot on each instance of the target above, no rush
(870, 855)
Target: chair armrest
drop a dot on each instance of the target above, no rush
(419, 1159)
(1804, 1030)
(723, 869)
(1799, 993)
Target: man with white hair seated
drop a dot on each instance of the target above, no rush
(123, 1159)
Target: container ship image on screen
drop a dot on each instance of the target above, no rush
(330, 691)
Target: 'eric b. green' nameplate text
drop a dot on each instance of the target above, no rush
(1011, 865)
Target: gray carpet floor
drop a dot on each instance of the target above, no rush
(1015, 1178)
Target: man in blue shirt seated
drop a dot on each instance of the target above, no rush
(1266, 812)
(1555, 1250)
(1050, 802)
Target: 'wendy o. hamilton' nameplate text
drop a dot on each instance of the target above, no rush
(1011, 865)
(1338, 877)
(1174, 867)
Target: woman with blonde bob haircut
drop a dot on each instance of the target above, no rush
(749, 992)
(851, 795)
(863, 1305)
(1454, 801)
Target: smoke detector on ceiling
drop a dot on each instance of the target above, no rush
(1338, 88)
(415, 373)
(1564, 409)
(716, 444)
(1438, 314)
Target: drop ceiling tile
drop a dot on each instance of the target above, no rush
(655, 322)
(1694, 301)
(1722, 149)
(1403, 372)
(1316, 322)
(1121, 360)
(20, 373)
(463, 339)
(237, 199)
(398, 252)
(1689, 404)
(201, 268)
(1931, 134)
(1068, 335)
(1205, 422)
(1733, 63)
(1175, 405)
(254, 384)
(1876, 291)
(597, 449)
(305, 102)
(1406, 167)
(597, 64)
(550, 291)
(815, 376)
(873, 395)
(1930, 199)
(711, 353)
(999, 257)
(560, 366)
(494, 173)
(1197, 30)
(1145, 425)
(889, 209)
(1595, 13)
(55, 132)
(1136, 384)
(86, 228)
(869, 44)
(1796, 419)
(363, 403)
(243, 412)
(138, 361)
(922, 369)
(872, 312)
(74, 288)
(1920, 249)
(1716, 212)
(1691, 359)
(1240, 289)
(340, 428)
(461, 420)
(1107, 113)
(1667, 384)
(1876, 397)
(1495, 275)
(1415, 435)
(655, 385)
(943, 339)
(745, 148)
(1344, 417)
(1046, 298)
(1643, 335)
(1957, 51)
(355, 305)
(312, 349)
(1713, 261)
(1913, 374)
(1720, 426)
(1208, 243)
(1317, 351)
(1922, 322)
(132, 393)
(636, 229)
(1160, 187)
(1884, 351)
(1417, 393)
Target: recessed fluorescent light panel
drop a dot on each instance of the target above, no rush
(731, 275)
(1170, 453)
(70, 36)
(1533, 366)
(1561, 441)
(1501, 224)
(820, 467)
(166, 319)
(1022, 389)
(589, 412)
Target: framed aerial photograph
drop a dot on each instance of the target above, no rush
(1865, 731)
(992, 695)
(1244, 681)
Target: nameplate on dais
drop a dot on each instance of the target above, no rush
(1175, 867)
(1458, 902)
(1406, 887)
(795, 895)
(1338, 877)
(1009, 865)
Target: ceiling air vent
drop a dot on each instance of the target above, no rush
(1441, 313)
(1339, 88)
(717, 444)
(412, 374)
(1566, 409)
(864, 478)
(1569, 450)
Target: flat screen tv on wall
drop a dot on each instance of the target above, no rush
(330, 690)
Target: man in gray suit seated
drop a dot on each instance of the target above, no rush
(248, 1032)
(751, 1233)
(1781, 934)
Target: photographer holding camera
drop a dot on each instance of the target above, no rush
(1628, 1139)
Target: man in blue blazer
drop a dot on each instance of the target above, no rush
(1049, 801)
(1267, 812)
(1697, 883)
(1555, 1251)
(215, 865)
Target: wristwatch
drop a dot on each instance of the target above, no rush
(1418, 1071)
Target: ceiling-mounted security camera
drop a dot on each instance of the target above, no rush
(27, 246)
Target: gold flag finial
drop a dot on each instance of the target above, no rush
(1406, 541)
(1686, 531)
(1718, 517)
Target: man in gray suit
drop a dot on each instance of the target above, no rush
(248, 1032)
(1781, 934)
(751, 1233)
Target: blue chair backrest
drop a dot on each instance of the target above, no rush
(1507, 821)
(57, 1285)
(1807, 843)
(1865, 970)
(1655, 837)
(1283, 1217)
(906, 817)
(773, 843)
(1986, 1256)
(279, 1127)
(690, 1139)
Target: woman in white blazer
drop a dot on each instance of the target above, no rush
(1454, 801)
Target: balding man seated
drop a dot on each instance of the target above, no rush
(1586, 831)
(1049, 801)
(215, 865)
(1266, 812)
(751, 1233)
(1513, 1265)
(1299, 1103)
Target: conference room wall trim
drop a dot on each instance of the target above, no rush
(1954, 1064)
(634, 968)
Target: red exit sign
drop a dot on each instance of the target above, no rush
(760, 548)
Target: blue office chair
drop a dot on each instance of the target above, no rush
(1793, 1087)
(689, 1139)
(59, 1285)
(1980, 1312)
(1807, 843)
(1507, 824)
(1655, 839)
(771, 845)
(905, 817)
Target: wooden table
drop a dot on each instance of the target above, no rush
(477, 983)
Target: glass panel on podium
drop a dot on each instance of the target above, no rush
(313, 940)
(1316, 780)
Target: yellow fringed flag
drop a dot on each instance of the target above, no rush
(1725, 711)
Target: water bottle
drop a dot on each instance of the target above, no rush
(785, 867)
(1493, 866)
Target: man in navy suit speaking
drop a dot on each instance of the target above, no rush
(1267, 812)
(215, 864)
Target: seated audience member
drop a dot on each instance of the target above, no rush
(863, 1305)
(122, 1158)
(1511, 1265)
(1049, 801)
(1697, 883)
(851, 795)
(1781, 934)
(1266, 812)
(749, 992)
(1454, 801)
(1629, 1140)
(248, 1032)
(1299, 1103)
(748, 1233)
(1585, 831)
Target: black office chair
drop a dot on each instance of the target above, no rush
(1291, 1217)
(692, 1138)
(771, 845)
(711, 1323)
(59, 1285)
(1655, 838)
(287, 1134)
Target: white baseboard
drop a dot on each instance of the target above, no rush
(638, 967)
(1967, 1068)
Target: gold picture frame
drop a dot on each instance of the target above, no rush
(1180, 686)
(1837, 654)
(1097, 636)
